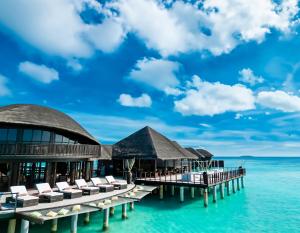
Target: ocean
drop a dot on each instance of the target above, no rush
(270, 202)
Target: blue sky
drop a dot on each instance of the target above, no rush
(219, 75)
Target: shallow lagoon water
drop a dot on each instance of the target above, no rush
(270, 202)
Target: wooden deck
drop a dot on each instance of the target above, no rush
(202, 180)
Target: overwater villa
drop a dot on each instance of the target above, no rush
(54, 168)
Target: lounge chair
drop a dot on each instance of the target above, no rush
(46, 194)
(82, 185)
(103, 187)
(68, 192)
(117, 184)
(23, 199)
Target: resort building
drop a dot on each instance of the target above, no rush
(40, 144)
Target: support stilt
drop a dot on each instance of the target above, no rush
(205, 198)
(74, 220)
(124, 211)
(54, 225)
(214, 190)
(86, 219)
(221, 190)
(238, 184)
(161, 192)
(172, 190)
(228, 188)
(192, 192)
(11, 226)
(111, 211)
(181, 194)
(131, 205)
(233, 186)
(242, 182)
(24, 226)
(105, 219)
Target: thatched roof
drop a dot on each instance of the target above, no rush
(106, 152)
(34, 115)
(201, 153)
(147, 143)
(205, 153)
(187, 153)
(196, 153)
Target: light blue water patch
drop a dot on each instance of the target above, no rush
(270, 202)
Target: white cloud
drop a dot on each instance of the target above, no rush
(279, 100)
(74, 65)
(127, 100)
(4, 90)
(55, 26)
(205, 98)
(247, 76)
(39, 73)
(157, 73)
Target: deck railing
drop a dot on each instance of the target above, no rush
(20, 150)
(203, 178)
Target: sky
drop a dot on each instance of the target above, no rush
(219, 75)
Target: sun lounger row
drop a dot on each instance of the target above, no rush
(46, 194)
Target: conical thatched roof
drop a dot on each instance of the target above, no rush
(106, 152)
(187, 153)
(205, 153)
(149, 144)
(35, 115)
(196, 153)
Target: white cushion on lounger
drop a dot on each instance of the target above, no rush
(81, 183)
(26, 198)
(96, 181)
(20, 190)
(110, 179)
(62, 186)
(43, 188)
(90, 188)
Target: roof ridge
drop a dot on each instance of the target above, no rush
(149, 130)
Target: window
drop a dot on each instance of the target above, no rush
(37, 136)
(12, 135)
(65, 140)
(27, 135)
(46, 136)
(58, 138)
(3, 134)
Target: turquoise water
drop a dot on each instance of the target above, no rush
(270, 202)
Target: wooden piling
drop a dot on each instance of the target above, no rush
(161, 192)
(74, 220)
(131, 205)
(192, 192)
(181, 194)
(214, 190)
(242, 182)
(111, 211)
(233, 186)
(221, 187)
(205, 198)
(238, 184)
(105, 219)
(86, 219)
(24, 226)
(172, 190)
(11, 226)
(228, 188)
(54, 225)
(124, 211)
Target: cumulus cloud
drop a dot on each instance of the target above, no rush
(4, 90)
(127, 100)
(39, 73)
(247, 76)
(205, 98)
(55, 27)
(279, 100)
(157, 73)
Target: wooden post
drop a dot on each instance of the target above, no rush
(111, 211)
(172, 190)
(72, 172)
(74, 220)
(181, 194)
(54, 225)
(228, 188)
(53, 174)
(242, 182)
(192, 192)
(214, 194)
(124, 211)
(105, 219)
(24, 226)
(233, 185)
(86, 219)
(161, 192)
(131, 205)
(205, 198)
(238, 184)
(11, 225)
(221, 190)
